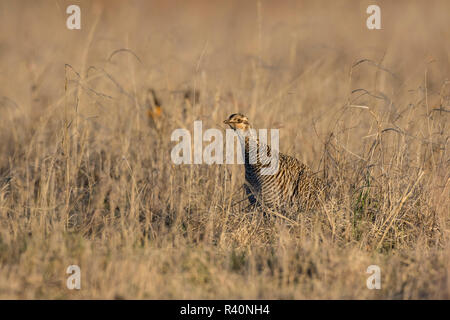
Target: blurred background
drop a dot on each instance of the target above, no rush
(295, 56)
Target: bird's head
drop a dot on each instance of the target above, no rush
(237, 121)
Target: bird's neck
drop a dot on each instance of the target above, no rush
(248, 138)
(250, 146)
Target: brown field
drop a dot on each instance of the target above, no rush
(86, 178)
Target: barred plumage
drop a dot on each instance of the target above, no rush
(292, 185)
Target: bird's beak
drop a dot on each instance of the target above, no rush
(226, 121)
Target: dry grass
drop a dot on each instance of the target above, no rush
(85, 178)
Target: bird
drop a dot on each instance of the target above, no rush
(293, 185)
(153, 104)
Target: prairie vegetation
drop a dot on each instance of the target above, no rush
(86, 177)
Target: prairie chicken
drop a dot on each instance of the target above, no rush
(293, 185)
(153, 104)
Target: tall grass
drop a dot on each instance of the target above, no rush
(87, 179)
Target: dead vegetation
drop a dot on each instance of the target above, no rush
(85, 179)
